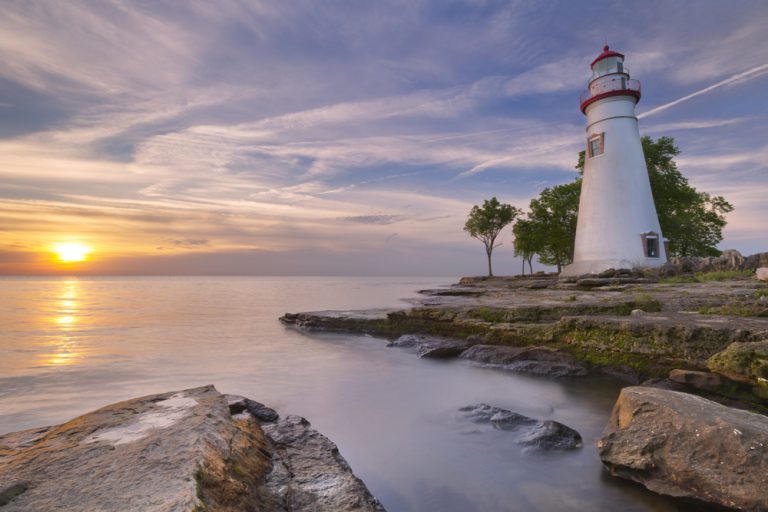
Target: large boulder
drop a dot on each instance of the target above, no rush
(188, 450)
(688, 447)
(543, 435)
(762, 274)
(534, 360)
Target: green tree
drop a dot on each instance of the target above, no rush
(486, 222)
(526, 242)
(550, 228)
(692, 221)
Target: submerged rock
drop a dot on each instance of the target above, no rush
(188, 450)
(686, 446)
(536, 434)
(535, 360)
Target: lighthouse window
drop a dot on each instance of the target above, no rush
(595, 145)
(651, 245)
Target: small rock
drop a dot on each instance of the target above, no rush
(534, 434)
(441, 349)
(261, 412)
(637, 312)
(607, 273)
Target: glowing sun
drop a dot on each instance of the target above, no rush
(71, 252)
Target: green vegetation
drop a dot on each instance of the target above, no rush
(704, 277)
(489, 315)
(762, 293)
(723, 275)
(570, 298)
(486, 222)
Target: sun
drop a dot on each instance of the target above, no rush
(71, 252)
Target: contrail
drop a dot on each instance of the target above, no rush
(746, 74)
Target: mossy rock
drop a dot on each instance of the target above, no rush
(742, 361)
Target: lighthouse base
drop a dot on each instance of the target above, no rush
(578, 268)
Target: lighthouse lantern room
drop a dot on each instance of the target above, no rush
(617, 225)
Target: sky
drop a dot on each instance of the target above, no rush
(345, 137)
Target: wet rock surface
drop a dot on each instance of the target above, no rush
(685, 446)
(533, 360)
(534, 434)
(189, 450)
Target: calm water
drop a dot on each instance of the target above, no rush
(68, 346)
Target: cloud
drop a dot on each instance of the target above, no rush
(188, 243)
(382, 219)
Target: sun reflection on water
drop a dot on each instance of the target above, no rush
(63, 348)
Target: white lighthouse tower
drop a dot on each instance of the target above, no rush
(617, 225)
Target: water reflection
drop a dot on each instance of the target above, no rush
(63, 345)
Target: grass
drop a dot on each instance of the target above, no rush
(493, 316)
(706, 277)
(762, 293)
(570, 298)
(735, 309)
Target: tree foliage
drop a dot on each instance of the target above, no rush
(692, 221)
(550, 228)
(485, 224)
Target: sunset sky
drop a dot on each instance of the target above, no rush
(344, 137)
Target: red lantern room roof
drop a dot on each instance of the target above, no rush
(607, 52)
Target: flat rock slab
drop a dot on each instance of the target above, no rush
(188, 450)
(542, 435)
(533, 360)
(686, 446)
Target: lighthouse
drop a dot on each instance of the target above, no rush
(617, 225)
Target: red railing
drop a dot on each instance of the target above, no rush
(613, 85)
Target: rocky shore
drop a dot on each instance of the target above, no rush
(695, 429)
(190, 450)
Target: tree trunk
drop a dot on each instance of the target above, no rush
(523, 267)
(490, 269)
(530, 267)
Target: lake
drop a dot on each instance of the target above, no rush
(68, 346)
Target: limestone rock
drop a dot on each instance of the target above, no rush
(534, 434)
(535, 360)
(686, 446)
(309, 474)
(182, 450)
(762, 274)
